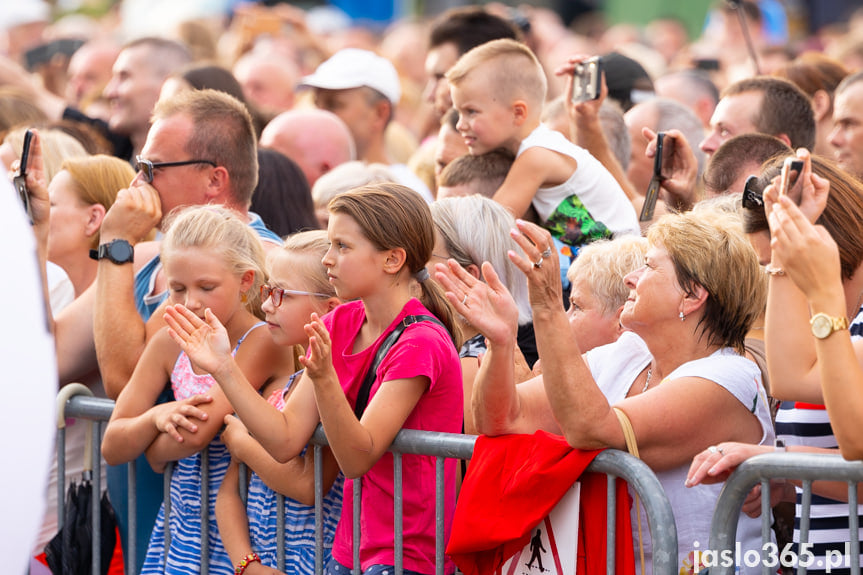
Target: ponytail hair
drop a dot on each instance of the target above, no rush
(393, 216)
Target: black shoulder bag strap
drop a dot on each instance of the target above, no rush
(391, 339)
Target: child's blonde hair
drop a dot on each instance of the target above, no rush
(310, 248)
(220, 229)
(312, 245)
(514, 71)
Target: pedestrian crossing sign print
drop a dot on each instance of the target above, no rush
(553, 545)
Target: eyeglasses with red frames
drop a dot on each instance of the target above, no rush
(276, 294)
(147, 167)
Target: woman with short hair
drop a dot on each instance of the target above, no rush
(679, 375)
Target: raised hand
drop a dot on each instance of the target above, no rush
(205, 342)
(37, 181)
(807, 252)
(489, 307)
(134, 214)
(679, 168)
(579, 111)
(813, 194)
(319, 362)
(541, 266)
(175, 415)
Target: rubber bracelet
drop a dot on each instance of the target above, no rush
(245, 562)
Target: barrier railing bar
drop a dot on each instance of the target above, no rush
(280, 531)
(634, 471)
(660, 518)
(358, 495)
(61, 473)
(94, 429)
(168, 473)
(798, 466)
(205, 511)
(243, 479)
(440, 492)
(766, 514)
(853, 525)
(319, 509)
(805, 509)
(610, 518)
(132, 514)
(398, 518)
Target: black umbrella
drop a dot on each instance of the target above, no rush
(70, 552)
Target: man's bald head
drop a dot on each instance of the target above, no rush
(316, 140)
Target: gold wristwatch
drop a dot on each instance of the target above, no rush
(823, 325)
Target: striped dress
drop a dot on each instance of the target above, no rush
(299, 542)
(184, 523)
(807, 424)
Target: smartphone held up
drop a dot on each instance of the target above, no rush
(20, 178)
(661, 172)
(587, 80)
(788, 178)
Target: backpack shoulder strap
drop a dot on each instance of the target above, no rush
(391, 339)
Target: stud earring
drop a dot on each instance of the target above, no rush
(682, 317)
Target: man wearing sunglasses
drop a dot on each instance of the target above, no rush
(201, 149)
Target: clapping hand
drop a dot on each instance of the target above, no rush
(205, 342)
(319, 362)
(488, 306)
(540, 264)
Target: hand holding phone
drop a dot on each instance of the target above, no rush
(788, 179)
(20, 178)
(664, 151)
(587, 80)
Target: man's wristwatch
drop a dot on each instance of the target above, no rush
(823, 325)
(116, 251)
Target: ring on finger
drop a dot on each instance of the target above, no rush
(714, 449)
(464, 300)
(546, 253)
(538, 263)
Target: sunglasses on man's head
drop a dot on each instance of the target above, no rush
(147, 167)
(753, 198)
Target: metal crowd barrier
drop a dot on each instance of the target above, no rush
(807, 467)
(440, 445)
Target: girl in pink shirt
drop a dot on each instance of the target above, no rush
(381, 239)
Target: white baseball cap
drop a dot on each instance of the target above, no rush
(354, 68)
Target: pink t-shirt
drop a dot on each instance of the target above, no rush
(424, 348)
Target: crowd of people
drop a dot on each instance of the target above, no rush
(252, 225)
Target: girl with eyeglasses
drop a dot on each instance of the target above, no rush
(381, 238)
(297, 288)
(214, 264)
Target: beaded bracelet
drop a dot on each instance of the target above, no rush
(245, 562)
